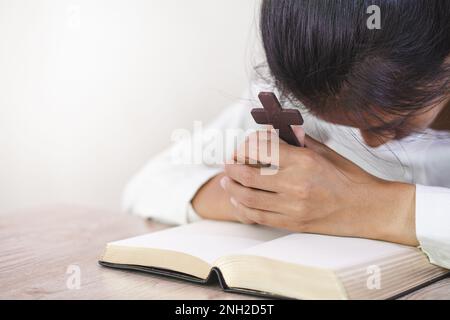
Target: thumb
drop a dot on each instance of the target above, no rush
(299, 133)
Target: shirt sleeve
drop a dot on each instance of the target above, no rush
(433, 223)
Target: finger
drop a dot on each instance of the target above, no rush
(265, 147)
(252, 198)
(299, 133)
(263, 217)
(257, 148)
(253, 178)
(238, 215)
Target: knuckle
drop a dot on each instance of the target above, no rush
(252, 215)
(241, 218)
(249, 198)
(247, 177)
(240, 210)
(244, 220)
(303, 190)
(259, 218)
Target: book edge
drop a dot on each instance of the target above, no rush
(214, 273)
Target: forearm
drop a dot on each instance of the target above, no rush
(390, 217)
(380, 210)
(395, 215)
(211, 202)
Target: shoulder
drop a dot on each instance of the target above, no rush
(436, 157)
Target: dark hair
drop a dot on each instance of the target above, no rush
(324, 55)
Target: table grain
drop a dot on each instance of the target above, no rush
(39, 248)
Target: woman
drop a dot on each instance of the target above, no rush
(375, 104)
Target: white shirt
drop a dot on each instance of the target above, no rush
(163, 189)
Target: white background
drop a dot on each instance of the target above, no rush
(90, 90)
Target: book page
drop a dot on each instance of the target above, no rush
(327, 252)
(207, 240)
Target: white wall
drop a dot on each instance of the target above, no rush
(86, 87)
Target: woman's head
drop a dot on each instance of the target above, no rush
(387, 82)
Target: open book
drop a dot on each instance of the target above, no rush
(276, 263)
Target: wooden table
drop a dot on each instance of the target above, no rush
(38, 247)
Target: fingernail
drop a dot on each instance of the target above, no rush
(223, 182)
(233, 202)
(300, 133)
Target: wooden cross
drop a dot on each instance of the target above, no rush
(280, 119)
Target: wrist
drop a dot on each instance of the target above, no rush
(396, 221)
(211, 202)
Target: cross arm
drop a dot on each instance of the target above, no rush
(260, 116)
(292, 117)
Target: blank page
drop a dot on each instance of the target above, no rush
(207, 240)
(327, 252)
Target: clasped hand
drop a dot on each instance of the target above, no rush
(314, 189)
